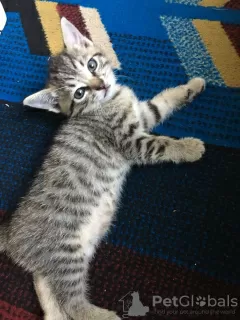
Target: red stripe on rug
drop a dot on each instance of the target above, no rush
(233, 32)
(233, 4)
(73, 14)
(9, 312)
(17, 287)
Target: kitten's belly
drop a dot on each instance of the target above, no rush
(101, 217)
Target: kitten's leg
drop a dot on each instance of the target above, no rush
(62, 295)
(163, 104)
(47, 299)
(149, 149)
(73, 306)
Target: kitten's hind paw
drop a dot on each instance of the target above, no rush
(194, 87)
(96, 313)
(193, 149)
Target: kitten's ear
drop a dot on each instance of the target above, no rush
(45, 99)
(71, 35)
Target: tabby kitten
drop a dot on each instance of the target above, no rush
(57, 226)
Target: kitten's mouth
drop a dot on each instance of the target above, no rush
(106, 90)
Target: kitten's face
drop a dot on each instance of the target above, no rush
(82, 77)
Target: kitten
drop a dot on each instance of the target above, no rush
(57, 226)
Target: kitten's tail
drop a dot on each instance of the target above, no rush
(3, 236)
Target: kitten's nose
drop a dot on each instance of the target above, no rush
(101, 85)
(97, 84)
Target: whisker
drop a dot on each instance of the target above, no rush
(122, 76)
(60, 88)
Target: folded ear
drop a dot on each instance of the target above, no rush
(45, 99)
(71, 35)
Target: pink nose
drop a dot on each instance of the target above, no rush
(101, 86)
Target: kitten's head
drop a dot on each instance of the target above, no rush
(80, 78)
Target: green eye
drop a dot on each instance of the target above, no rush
(79, 93)
(92, 65)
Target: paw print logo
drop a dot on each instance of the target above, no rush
(200, 301)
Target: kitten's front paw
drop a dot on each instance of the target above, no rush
(194, 87)
(193, 149)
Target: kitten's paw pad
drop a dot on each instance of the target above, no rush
(194, 87)
(193, 149)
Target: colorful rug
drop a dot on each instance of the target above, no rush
(177, 232)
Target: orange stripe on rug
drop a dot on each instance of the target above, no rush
(51, 25)
(223, 53)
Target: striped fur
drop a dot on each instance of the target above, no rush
(73, 199)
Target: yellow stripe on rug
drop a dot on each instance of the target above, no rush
(221, 50)
(51, 25)
(213, 3)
